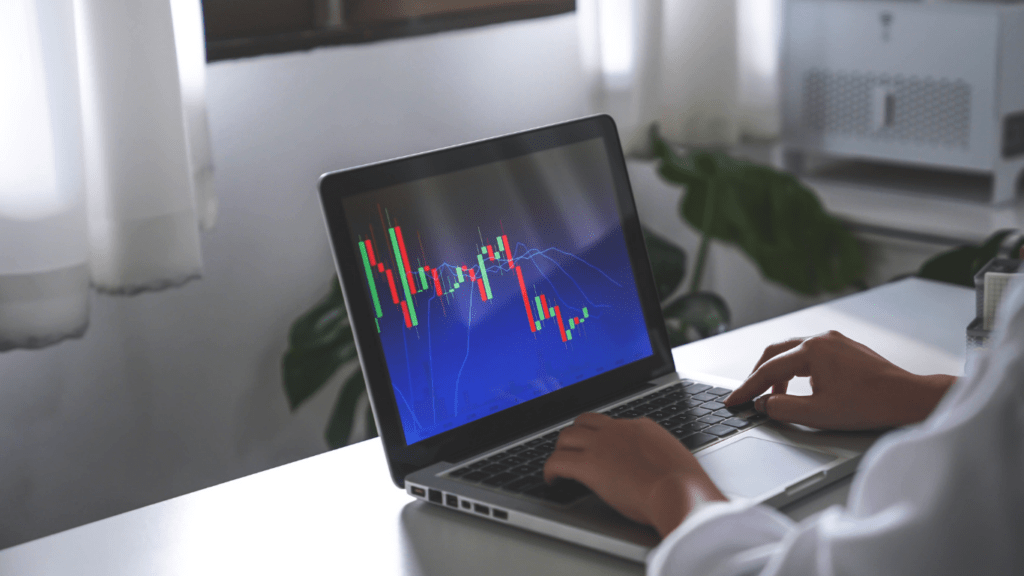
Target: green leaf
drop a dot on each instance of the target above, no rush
(959, 265)
(339, 426)
(668, 263)
(777, 221)
(320, 341)
(324, 324)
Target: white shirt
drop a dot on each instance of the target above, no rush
(945, 496)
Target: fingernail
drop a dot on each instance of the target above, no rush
(759, 405)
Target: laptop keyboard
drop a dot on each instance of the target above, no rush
(692, 412)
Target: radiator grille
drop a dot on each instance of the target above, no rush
(921, 110)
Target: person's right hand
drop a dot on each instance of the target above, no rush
(853, 387)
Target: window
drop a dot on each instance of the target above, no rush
(240, 28)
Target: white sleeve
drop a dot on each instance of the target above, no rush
(945, 497)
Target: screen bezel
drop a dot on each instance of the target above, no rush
(535, 414)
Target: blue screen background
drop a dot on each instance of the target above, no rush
(469, 355)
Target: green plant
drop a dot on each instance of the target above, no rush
(777, 221)
(321, 344)
(959, 265)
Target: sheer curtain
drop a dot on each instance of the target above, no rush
(104, 157)
(705, 70)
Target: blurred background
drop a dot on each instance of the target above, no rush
(160, 230)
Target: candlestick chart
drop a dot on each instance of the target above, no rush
(476, 320)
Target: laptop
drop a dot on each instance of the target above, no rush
(500, 288)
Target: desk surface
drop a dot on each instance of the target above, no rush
(339, 513)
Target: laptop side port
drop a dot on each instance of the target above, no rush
(435, 496)
(451, 500)
(417, 491)
(481, 509)
(500, 514)
(466, 504)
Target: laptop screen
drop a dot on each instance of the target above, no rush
(497, 284)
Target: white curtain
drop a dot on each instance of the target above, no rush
(705, 70)
(104, 157)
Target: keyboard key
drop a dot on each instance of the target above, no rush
(719, 391)
(512, 461)
(460, 472)
(705, 397)
(724, 413)
(696, 388)
(475, 476)
(711, 419)
(523, 484)
(690, 402)
(737, 422)
(493, 468)
(517, 449)
(630, 414)
(532, 454)
(534, 442)
(525, 469)
(698, 412)
(677, 420)
(561, 492)
(645, 409)
(698, 439)
(672, 409)
(720, 430)
(681, 431)
(712, 405)
(744, 407)
(658, 415)
(499, 479)
(696, 426)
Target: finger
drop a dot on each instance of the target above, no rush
(573, 438)
(746, 392)
(780, 388)
(788, 408)
(571, 465)
(776, 349)
(593, 420)
(776, 370)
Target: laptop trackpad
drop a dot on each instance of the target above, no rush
(752, 466)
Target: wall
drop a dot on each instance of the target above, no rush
(174, 391)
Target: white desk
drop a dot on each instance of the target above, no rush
(338, 513)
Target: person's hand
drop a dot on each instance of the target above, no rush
(636, 466)
(853, 387)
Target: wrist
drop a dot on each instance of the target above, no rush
(676, 497)
(923, 393)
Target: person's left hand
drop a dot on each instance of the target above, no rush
(636, 466)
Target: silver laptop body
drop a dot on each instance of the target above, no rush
(500, 288)
(767, 463)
